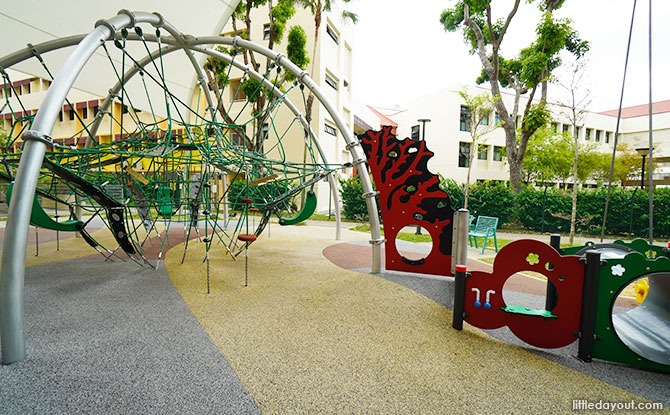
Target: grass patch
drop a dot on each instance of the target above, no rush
(412, 237)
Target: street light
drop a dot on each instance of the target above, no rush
(423, 122)
(644, 152)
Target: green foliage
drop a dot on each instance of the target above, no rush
(492, 198)
(549, 211)
(537, 209)
(251, 88)
(454, 190)
(452, 19)
(238, 189)
(296, 50)
(218, 67)
(281, 13)
(353, 204)
(538, 116)
(626, 164)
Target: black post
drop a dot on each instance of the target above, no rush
(459, 297)
(552, 295)
(589, 305)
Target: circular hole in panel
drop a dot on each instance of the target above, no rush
(608, 251)
(414, 243)
(526, 289)
(643, 327)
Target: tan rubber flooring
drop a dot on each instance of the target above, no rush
(307, 336)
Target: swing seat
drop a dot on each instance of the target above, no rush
(247, 237)
(308, 210)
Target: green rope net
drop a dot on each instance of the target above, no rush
(145, 155)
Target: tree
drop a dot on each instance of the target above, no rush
(548, 158)
(574, 107)
(626, 165)
(317, 8)
(279, 13)
(480, 108)
(528, 73)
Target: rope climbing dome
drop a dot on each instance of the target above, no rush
(145, 155)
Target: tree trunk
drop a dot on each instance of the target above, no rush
(471, 157)
(573, 213)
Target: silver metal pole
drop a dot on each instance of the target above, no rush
(12, 273)
(459, 245)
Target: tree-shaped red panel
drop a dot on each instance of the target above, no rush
(409, 195)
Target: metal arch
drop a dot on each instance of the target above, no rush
(48, 46)
(12, 273)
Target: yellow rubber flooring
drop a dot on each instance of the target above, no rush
(307, 337)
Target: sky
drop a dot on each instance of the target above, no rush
(402, 52)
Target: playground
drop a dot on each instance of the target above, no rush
(187, 279)
(306, 336)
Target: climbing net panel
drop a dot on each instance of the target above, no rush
(219, 156)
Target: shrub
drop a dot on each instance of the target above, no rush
(353, 203)
(454, 190)
(492, 198)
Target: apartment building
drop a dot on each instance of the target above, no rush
(447, 135)
(331, 67)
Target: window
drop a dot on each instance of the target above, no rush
(483, 152)
(497, 119)
(598, 133)
(608, 135)
(463, 154)
(265, 133)
(266, 31)
(331, 81)
(465, 118)
(60, 116)
(84, 113)
(497, 153)
(71, 115)
(236, 91)
(554, 127)
(236, 138)
(333, 34)
(588, 134)
(578, 130)
(330, 129)
(485, 119)
(566, 128)
(416, 131)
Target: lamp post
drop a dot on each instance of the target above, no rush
(423, 122)
(644, 152)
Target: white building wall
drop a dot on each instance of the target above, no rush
(331, 68)
(443, 133)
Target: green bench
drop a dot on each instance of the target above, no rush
(485, 228)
